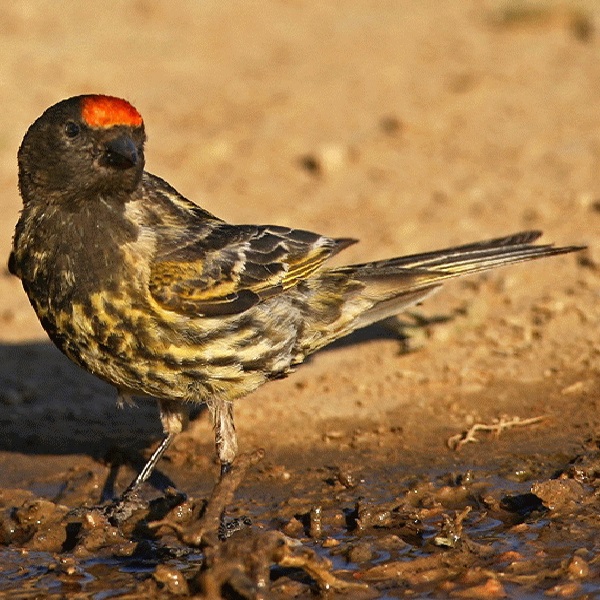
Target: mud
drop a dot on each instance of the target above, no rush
(344, 524)
(451, 453)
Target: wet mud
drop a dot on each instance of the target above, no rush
(513, 513)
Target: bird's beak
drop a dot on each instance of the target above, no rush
(121, 153)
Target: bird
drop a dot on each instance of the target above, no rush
(157, 296)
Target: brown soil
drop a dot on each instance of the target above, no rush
(411, 127)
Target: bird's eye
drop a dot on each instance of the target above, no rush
(72, 129)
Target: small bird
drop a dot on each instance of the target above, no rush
(153, 294)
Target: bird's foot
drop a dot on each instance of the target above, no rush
(117, 511)
(120, 510)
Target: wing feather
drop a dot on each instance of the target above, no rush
(227, 269)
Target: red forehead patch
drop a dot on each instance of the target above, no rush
(108, 111)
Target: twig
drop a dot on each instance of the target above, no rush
(456, 442)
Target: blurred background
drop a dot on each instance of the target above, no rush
(409, 125)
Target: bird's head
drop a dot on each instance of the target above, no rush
(83, 147)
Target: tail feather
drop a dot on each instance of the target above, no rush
(384, 288)
(469, 258)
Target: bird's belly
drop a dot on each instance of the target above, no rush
(145, 350)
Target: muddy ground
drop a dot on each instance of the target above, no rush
(410, 126)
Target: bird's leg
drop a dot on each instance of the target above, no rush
(225, 436)
(149, 467)
(226, 444)
(173, 416)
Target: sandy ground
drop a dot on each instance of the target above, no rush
(410, 126)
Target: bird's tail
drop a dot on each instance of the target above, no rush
(377, 290)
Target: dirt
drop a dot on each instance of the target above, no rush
(411, 126)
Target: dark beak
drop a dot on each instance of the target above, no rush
(121, 153)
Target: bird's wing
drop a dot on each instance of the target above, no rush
(231, 268)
